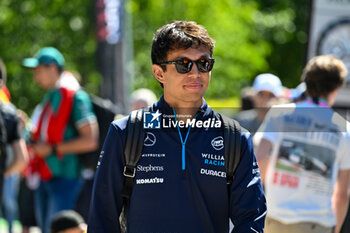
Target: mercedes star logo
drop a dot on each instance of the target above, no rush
(150, 139)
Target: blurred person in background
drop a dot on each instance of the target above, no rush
(346, 224)
(26, 193)
(299, 93)
(66, 126)
(13, 153)
(5, 96)
(105, 112)
(267, 88)
(141, 98)
(308, 171)
(67, 221)
(247, 96)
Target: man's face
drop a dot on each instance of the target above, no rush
(184, 90)
(263, 98)
(43, 75)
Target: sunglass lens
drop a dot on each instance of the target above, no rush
(184, 66)
(204, 65)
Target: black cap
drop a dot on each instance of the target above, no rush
(64, 220)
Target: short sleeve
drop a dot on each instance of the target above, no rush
(270, 127)
(82, 111)
(344, 152)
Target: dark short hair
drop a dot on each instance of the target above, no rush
(179, 35)
(323, 74)
(64, 220)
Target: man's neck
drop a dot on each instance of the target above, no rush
(185, 113)
(331, 97)
(186, 110)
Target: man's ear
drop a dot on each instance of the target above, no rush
(158, 73)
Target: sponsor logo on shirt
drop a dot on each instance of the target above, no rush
(218, 143)
(210, 172)
(256, 175)
(150, 139)
(99, 159)
(154, 180)
(150, 168)
(153, 155)
(212, 159)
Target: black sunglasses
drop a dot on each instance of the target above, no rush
(184, 65)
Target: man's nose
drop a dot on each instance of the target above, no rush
(194, 69)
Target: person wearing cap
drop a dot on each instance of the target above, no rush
(66, 126)
(308, 171)
(298, 93)
(67, 221)
(141, 98)
(12, 148)
(267, 87)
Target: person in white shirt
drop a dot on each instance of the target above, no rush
(306, 177)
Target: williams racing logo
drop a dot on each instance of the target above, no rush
(155, 120)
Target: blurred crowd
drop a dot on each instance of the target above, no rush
(298, 161)
(51, 156)
(48, 159)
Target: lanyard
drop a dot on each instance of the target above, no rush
(319, 101)
(183, 142)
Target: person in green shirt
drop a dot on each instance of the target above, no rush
(65, 127)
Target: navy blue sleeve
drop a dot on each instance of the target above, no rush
(247, 199)
(106, 202)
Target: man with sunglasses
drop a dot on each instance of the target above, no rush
(180, 180)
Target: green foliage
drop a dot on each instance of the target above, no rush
(284, 25)
(251, 37)
(240, 50)
(28, 25)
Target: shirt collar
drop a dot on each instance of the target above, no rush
(164, 107)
